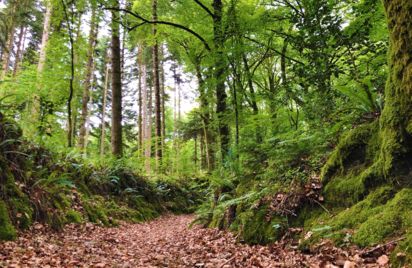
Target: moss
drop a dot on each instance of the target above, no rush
(122, 212)
(402, 254)
(107, 212)
(73, 216)
(7, 231)
(352, 150)
(19, 205)
(254, 227)
(368, 222)
(388, 220)
(359, 213)
(56, 220)
(352, 188)
(147, 210)
(22, 212)
(95, 210)
(218, 217)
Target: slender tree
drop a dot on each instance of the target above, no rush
(20, 43)
(104, 103)
(88, 78)
(140, 96)
(116, 133)
(220, 77)
(10, 41)
(70, 22)
(45, 36)
(157, 89)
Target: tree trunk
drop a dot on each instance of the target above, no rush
(146, 112)
(148, 131)
(396, 119)
(163, 96)
(255, 107)
(116, 133)
(35, 109)
(235, 106)
(88, 79)
(156, 84)
(9, 45)
(20, 43)
(220, 77)
(45, 37)
(205, 114)
(89, 111)
(70, 124)
(104, 103)
(140, 101)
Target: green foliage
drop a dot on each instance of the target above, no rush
(73, 216)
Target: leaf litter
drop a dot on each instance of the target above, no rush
(166, 242)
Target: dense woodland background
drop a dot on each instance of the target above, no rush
(261, 114)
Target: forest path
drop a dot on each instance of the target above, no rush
(165, 242)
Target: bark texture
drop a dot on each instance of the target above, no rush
(88, 80)
(116, 134)
(156, 84)
(220, 77)
(396, 119)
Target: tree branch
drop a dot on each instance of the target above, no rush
(176, 25)
(205, 8)
(274, 50)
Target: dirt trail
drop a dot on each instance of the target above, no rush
(164, 242)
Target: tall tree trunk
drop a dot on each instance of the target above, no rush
(88, 78)
(148, 131)
(45, 37)
(255, 107)
(163, 96)
(220, 77)
(89, 111)
(35, 109)
(396, 119)
(9, 45)
(195, 152)
(146, 111)
(104, 103)
(116, 133)
(175, 93)
(22, 35)
(156, 84)
(236, 108)
(205, 113)
(70, 23)
(140, 100)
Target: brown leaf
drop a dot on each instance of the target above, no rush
(383, 260)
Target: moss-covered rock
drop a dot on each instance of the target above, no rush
(395, 217)
(383, 214)
(7, 231)
(254, 226)
(356, 149)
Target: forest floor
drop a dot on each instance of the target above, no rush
(165, 242)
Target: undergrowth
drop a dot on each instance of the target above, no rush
(39, 185)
